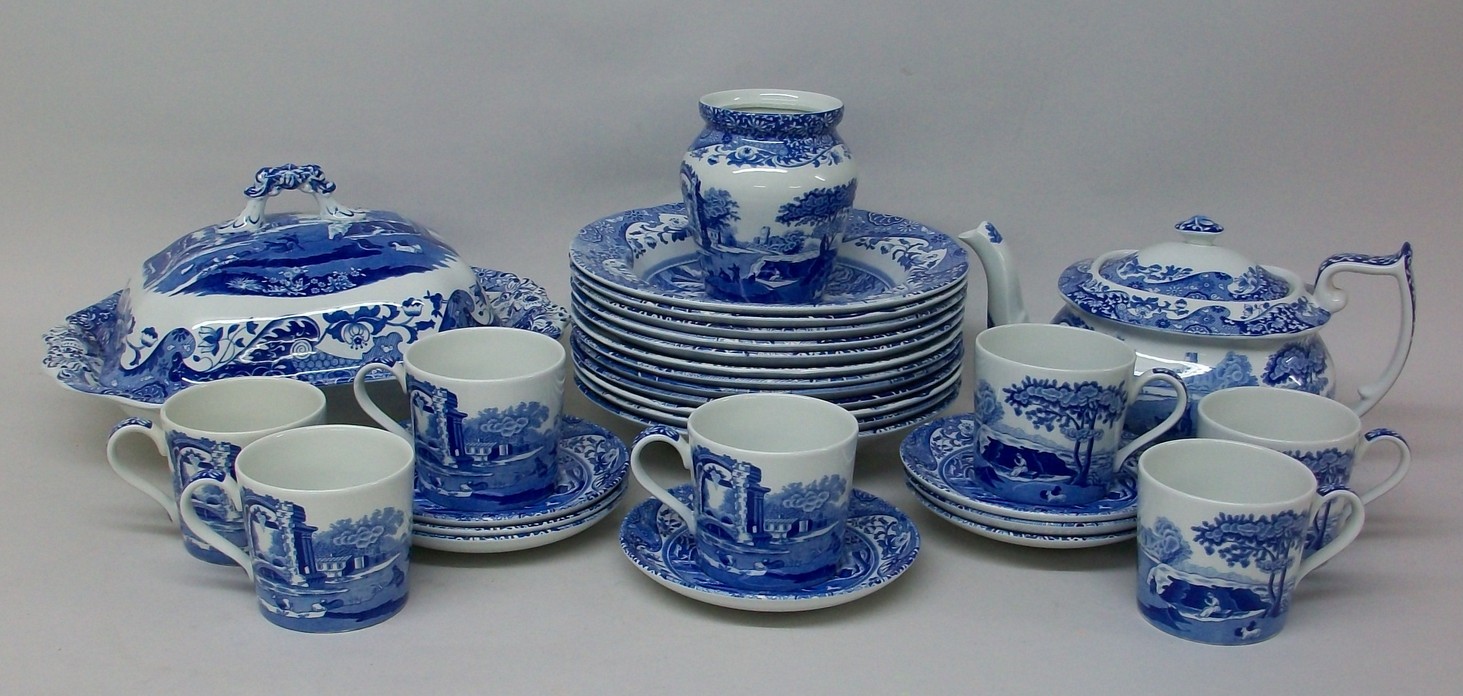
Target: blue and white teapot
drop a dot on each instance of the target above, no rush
(1206, 312)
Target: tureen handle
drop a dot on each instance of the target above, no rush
(269, 181)
(1333, 299)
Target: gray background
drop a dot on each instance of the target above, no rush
(1306, 128)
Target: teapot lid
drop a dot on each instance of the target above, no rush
(1192, 285)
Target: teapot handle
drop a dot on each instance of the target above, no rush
(1333, 299)
(269, 181)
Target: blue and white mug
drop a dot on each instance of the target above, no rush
(1221, 527)
(1050, 403)
(327, 512)
(199, 432)
(1322, 433)
(771, 474)
(485, 405)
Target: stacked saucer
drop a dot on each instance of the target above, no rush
(939, 468)
(591, 480)
(650, 345)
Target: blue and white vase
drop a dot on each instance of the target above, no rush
(768, 184)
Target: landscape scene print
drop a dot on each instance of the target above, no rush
(198, 457)
(295, 255)
(1046, 441)
(493, 460)
(349, 574)
(787, 265)
(1225, 581)
(751, 536)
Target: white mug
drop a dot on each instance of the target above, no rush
(1322, 433)
(771, 475)
(199, 431)
(327, 511)
(1221, 527)
(485, 406)
(1050, 402)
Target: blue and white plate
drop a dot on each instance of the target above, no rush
(884, 261)
(1034, 540)
(804, 354)
(690, 394)
(941, 456)
(1014, 524)
(520, 529)
(81, 354)
(756, 328)
(462, 543)
(592, 464)
(880, 543)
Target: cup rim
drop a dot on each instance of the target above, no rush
(262, 447)
(710, 410)
(473, 333)
(1121, 356)
(298, 390)
(1272, 401)
(1159, 464)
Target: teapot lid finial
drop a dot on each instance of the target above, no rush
(1199, 229)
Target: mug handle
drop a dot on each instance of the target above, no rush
(672, 437)
(1404, 459)
(358, 386)
(1180, 407)
(195, 524)
(1344, 537)
(130, 468)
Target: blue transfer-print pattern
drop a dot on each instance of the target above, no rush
(1018, 462)
(493, 460)
(1181, 593)
(1302, 365)
(193, 458)
(752, 536)
(1094, 295)
(90, 352)
(1254, 285)
(911, 260)
(330, 576)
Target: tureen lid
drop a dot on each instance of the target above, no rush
(1192, 285)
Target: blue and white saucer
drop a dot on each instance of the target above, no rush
(941, 453)
(592, 464)
(506, 530)
(883, 261)
(1034, 540)
(1015, 524)
(880, 543)
(463, 543)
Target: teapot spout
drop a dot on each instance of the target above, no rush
(1003, 289)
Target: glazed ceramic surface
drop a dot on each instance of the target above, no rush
(883, 261)
(199, 433)
(1039, 540)
(769, 185)
(1016, 524)
(772, 475)
(879, 544)
(517, 530)
(82, 353)
(591, 464)
(326, 510)
(940, 455)
(1221, 527)
(1324, 435)
(1049, 411)
(1208, 313)
(485, 405)
(467, 543)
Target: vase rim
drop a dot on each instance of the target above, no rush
(790, 100)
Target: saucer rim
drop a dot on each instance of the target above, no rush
(1011, 524)
(517, 542)
(764, 601)
(1037, 541)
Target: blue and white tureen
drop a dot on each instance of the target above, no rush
(1208, 313)
(313, 296)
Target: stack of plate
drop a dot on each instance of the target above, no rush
(649, 345)
(592, 464)
(939, 467)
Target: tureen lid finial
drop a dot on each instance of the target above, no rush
(1199, 229)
